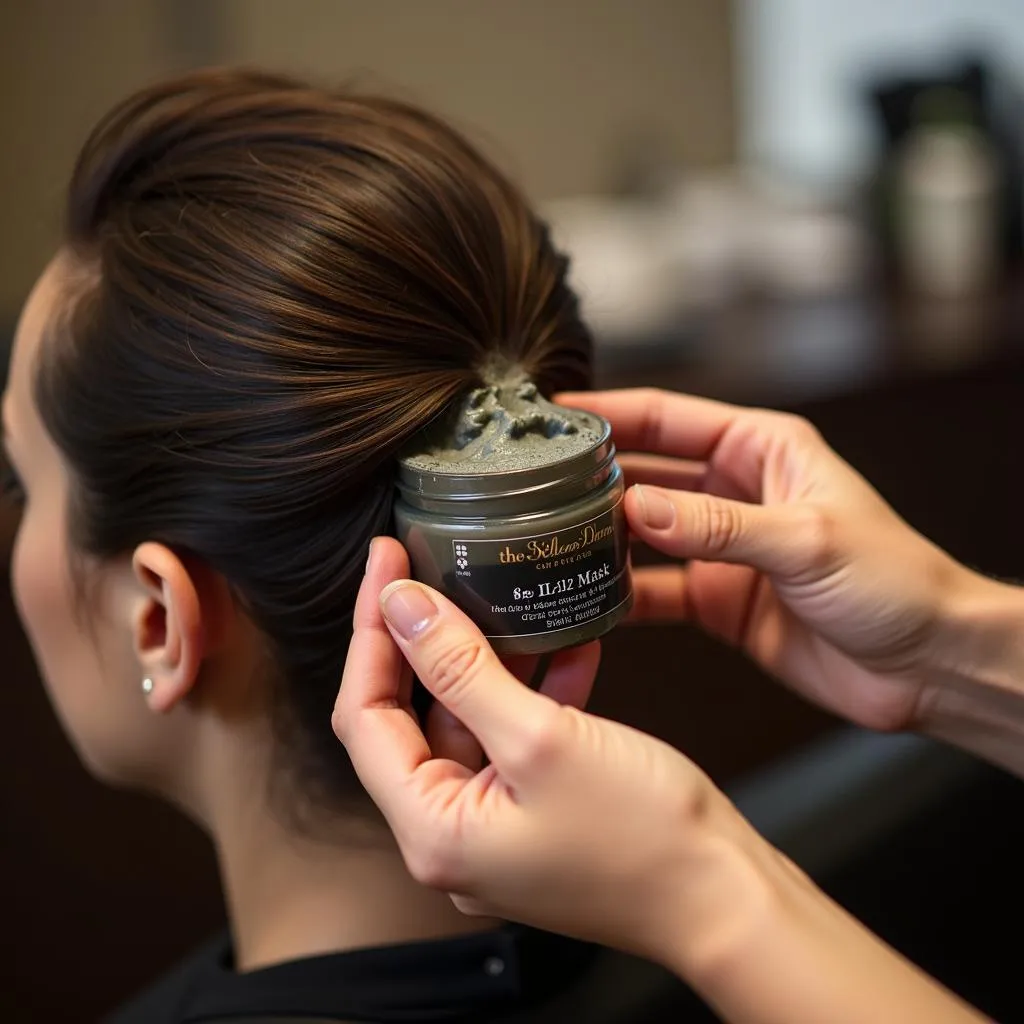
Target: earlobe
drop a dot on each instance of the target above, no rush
(167, 626)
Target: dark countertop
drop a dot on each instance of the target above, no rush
(788, 354)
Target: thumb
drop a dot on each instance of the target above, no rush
(454, 661)
(780, 540)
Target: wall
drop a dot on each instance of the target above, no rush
(554, 89)
(802, 64)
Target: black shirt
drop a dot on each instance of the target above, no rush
(512, 974)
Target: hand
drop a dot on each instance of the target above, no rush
(576, 824)
(586, 827)
(793, 556)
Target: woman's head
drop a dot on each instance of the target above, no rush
(264, 290)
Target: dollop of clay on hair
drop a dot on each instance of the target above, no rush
(504, 426)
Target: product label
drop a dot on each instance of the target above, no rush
(546, 582)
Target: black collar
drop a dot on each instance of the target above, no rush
(440, 980)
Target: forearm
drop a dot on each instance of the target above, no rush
(974, 697)
(793, 956)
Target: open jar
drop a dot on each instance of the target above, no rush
(538, 556)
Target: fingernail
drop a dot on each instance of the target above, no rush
(369, 557)
(658, 512)
(407, 607)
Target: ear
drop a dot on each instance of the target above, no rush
(171, 622)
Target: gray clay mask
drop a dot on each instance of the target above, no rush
(504, 427)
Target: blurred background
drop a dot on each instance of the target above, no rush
(806, 204)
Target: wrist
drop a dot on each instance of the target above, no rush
(803, 959)
(974, 685)
(724, 892)
(788, 954)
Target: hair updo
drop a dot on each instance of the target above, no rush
(274, 287)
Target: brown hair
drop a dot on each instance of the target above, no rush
(278, 285)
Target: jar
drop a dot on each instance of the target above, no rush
(537, 557)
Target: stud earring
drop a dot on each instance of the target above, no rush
(147, 685)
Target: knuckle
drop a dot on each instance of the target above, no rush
(818, 532)
(654, 402)
(341, 718)
(652, 396)
(542, 741)
(799, 428)
(469, 906)
(719, 524)
(432, 864)
(456, 665)
(339, 723)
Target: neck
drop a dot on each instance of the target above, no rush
(291, 896)
(292, 893)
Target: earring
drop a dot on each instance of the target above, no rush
(147, 685)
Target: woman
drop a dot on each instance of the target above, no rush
(264, 289)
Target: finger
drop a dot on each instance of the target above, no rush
(522, 666)
(667, 593)
(454, 661)
(685, 475)
(723, 598)
(659, 422)
(785, 540)
(406, 682)
(659, 594)
(450, 739)
(570, 679)
(386, 562)
(379, 731)
(663, 471)
(469, 906)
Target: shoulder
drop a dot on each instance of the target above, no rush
(618, 989)
(163, 1002)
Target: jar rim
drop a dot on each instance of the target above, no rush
(413, 481)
